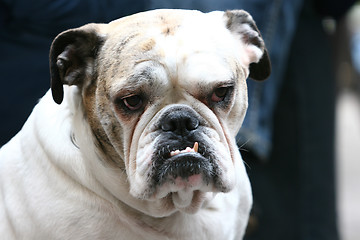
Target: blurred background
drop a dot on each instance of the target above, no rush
(346, 42)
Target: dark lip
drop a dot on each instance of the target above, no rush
(185, 165)
(168, 168)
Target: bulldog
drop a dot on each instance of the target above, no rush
(136, 139)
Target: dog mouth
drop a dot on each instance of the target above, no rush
(188, 167)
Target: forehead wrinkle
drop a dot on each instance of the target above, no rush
(203, 87)
(148, 76)
(135, 82)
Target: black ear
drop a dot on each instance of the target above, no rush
(262, 69)
(242, 25)
(72, 53)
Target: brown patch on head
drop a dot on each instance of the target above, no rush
(148, 45)
(170, 30)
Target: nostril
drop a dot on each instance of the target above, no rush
(192, 124)
(168, 126)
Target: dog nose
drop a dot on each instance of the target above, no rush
(180, 122)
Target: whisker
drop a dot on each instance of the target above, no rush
(242, 145)
(247, 165)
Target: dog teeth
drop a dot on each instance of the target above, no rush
(196, 147)
(186, 150)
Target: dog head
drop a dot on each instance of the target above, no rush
(164, 93)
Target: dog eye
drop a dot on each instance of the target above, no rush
(133, 102)
(219, 94)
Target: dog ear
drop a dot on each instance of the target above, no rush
(71, 54)
(242, 25)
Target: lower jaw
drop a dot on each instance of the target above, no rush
(190, 202)
(182, 199)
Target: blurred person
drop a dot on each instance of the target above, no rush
(294, 190)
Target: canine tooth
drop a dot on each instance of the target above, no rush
(196, 147)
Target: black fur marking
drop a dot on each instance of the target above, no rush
(124, 42)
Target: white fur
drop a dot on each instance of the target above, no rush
(49, 190)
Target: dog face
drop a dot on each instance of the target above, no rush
(164, 93)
